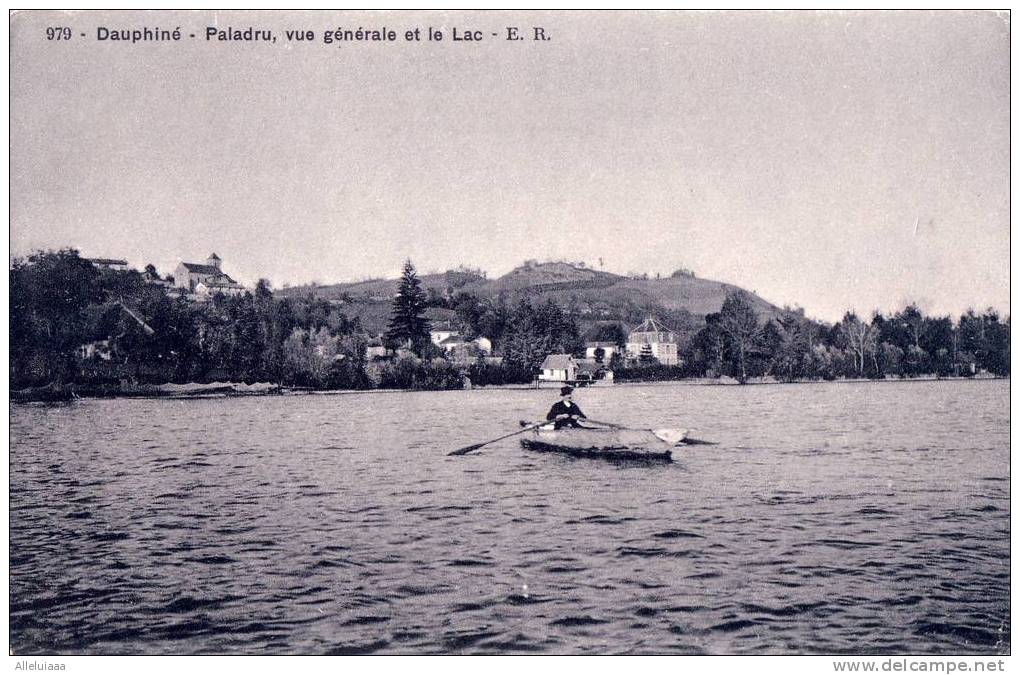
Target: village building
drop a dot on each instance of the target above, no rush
(592, 372)
(97, 349)
(459, 350)
(455, 346)
(205, 280)
(206, 290)
(662, 342)
(109, 264)
(558, 368)
(609, 349)
(565, 368)
(154, 280)
(439, 336)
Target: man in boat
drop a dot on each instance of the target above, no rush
(565, 413)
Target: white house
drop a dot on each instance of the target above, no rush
(608, 350)
(463, 351)
(207, 289)
(662, 341)
(439, 336)
(558, 368)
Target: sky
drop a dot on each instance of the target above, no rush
(831, 160)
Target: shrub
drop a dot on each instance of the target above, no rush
(408, 372)
(482, 374)
(649, 373)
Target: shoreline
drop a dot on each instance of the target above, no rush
(730, 382)
(51, 394)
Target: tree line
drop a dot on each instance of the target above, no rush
(522, 332)
(60, 303)
(737, 343)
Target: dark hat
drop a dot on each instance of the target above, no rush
(566, 391)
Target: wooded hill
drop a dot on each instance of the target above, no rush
(681, 300)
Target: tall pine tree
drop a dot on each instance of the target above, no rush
(408, 325)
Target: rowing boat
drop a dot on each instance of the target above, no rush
(610, 443)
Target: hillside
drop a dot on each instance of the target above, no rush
(592, 295)
(376, 290)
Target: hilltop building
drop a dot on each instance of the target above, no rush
(109, 263)
(662, 341)
(153, 279)
(205, 280)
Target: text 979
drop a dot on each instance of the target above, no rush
(58, 33)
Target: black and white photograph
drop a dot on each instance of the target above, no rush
(510, 333)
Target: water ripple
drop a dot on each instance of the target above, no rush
(831, 518)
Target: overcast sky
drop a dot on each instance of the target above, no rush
(830, 160)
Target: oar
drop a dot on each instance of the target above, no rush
(605, 424)
(685, 441)
(472, 448)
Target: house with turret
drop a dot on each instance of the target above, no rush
(653, 339)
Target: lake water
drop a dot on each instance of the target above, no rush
(831, 518)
